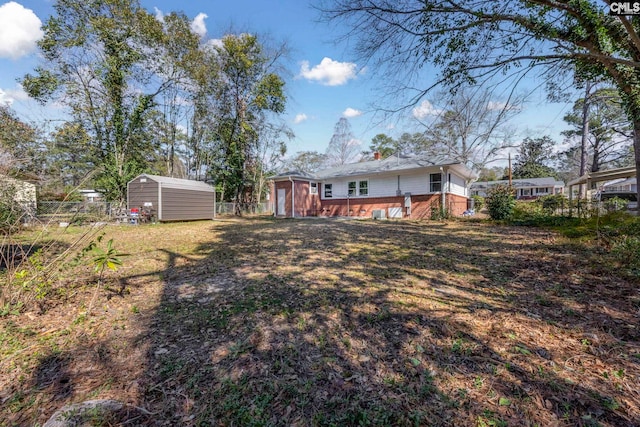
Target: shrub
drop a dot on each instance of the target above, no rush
(478, 202)
(11, 212)
(552, 202)
(500, 202)
(626, 250)
(615, 204)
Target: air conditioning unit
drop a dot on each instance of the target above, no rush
(379, 214)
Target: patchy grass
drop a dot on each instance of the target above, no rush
(262, 322)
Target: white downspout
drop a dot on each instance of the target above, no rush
(442, 193)
(159, 201)
(293, 198)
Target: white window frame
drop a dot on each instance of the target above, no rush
(352, 192)
(328, 194)
(432, 182)
(313, 188)
(366, 188)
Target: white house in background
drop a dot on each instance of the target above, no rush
(526, 188)
(23, 194)
(396, 187)
(623, 188)
(622, 185)
(90, 195)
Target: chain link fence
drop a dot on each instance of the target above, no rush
(83, 212)
(224, 208)
(73, 212)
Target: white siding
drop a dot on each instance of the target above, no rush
(457, 185)
(416, 183)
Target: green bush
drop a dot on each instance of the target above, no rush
(478, 202)
(552, 202)
(615, 204)
(11, 212)
(500, 202)
(626, 250)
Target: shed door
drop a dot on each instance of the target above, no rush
(281, 199)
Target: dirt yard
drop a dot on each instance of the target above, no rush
(263, 322)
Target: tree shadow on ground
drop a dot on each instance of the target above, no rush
(325, 322)
(360, 323)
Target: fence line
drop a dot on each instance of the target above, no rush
(96, 211)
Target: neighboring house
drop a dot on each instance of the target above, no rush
(622, 185)
(526, 188)
(396, 187)
(90, 195)
(620, 180)
(22, 193)
(171, 199)
(623, 188)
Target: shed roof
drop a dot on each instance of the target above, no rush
(182, 184)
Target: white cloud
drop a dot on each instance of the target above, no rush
(19, 30)
(300, 118)
(329, 72)
(495, 106)
(213, 43)
(159, 14)
(351, 112)
(198, 26)
(425, 109)
(8, 96)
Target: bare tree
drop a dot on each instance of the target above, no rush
(472, 128)
(343, 147)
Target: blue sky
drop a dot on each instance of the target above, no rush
(325, 81)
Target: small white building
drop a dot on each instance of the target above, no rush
(22, 193)
(526, 188)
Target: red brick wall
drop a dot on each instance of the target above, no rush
(359, 207)
(307, 204)
(422, 206)
(287, 196)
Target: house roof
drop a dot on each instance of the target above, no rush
(520, 183)
(390, 164)
(619, 182)
(183, 184)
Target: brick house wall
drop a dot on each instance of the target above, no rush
(422, 206)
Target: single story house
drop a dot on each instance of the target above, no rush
(90, 196)
(171, 199)
(622, 185)
(526, 188)
(396, 187)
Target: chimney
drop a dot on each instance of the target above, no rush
(376, 155)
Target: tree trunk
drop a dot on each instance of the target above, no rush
(636, 150)
(585, 136)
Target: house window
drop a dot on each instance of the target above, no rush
(363, 188)
(435, 182)
(352, 188)
(328, 190)
(313, 188)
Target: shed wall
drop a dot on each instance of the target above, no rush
(181, 205)
(139, 193)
